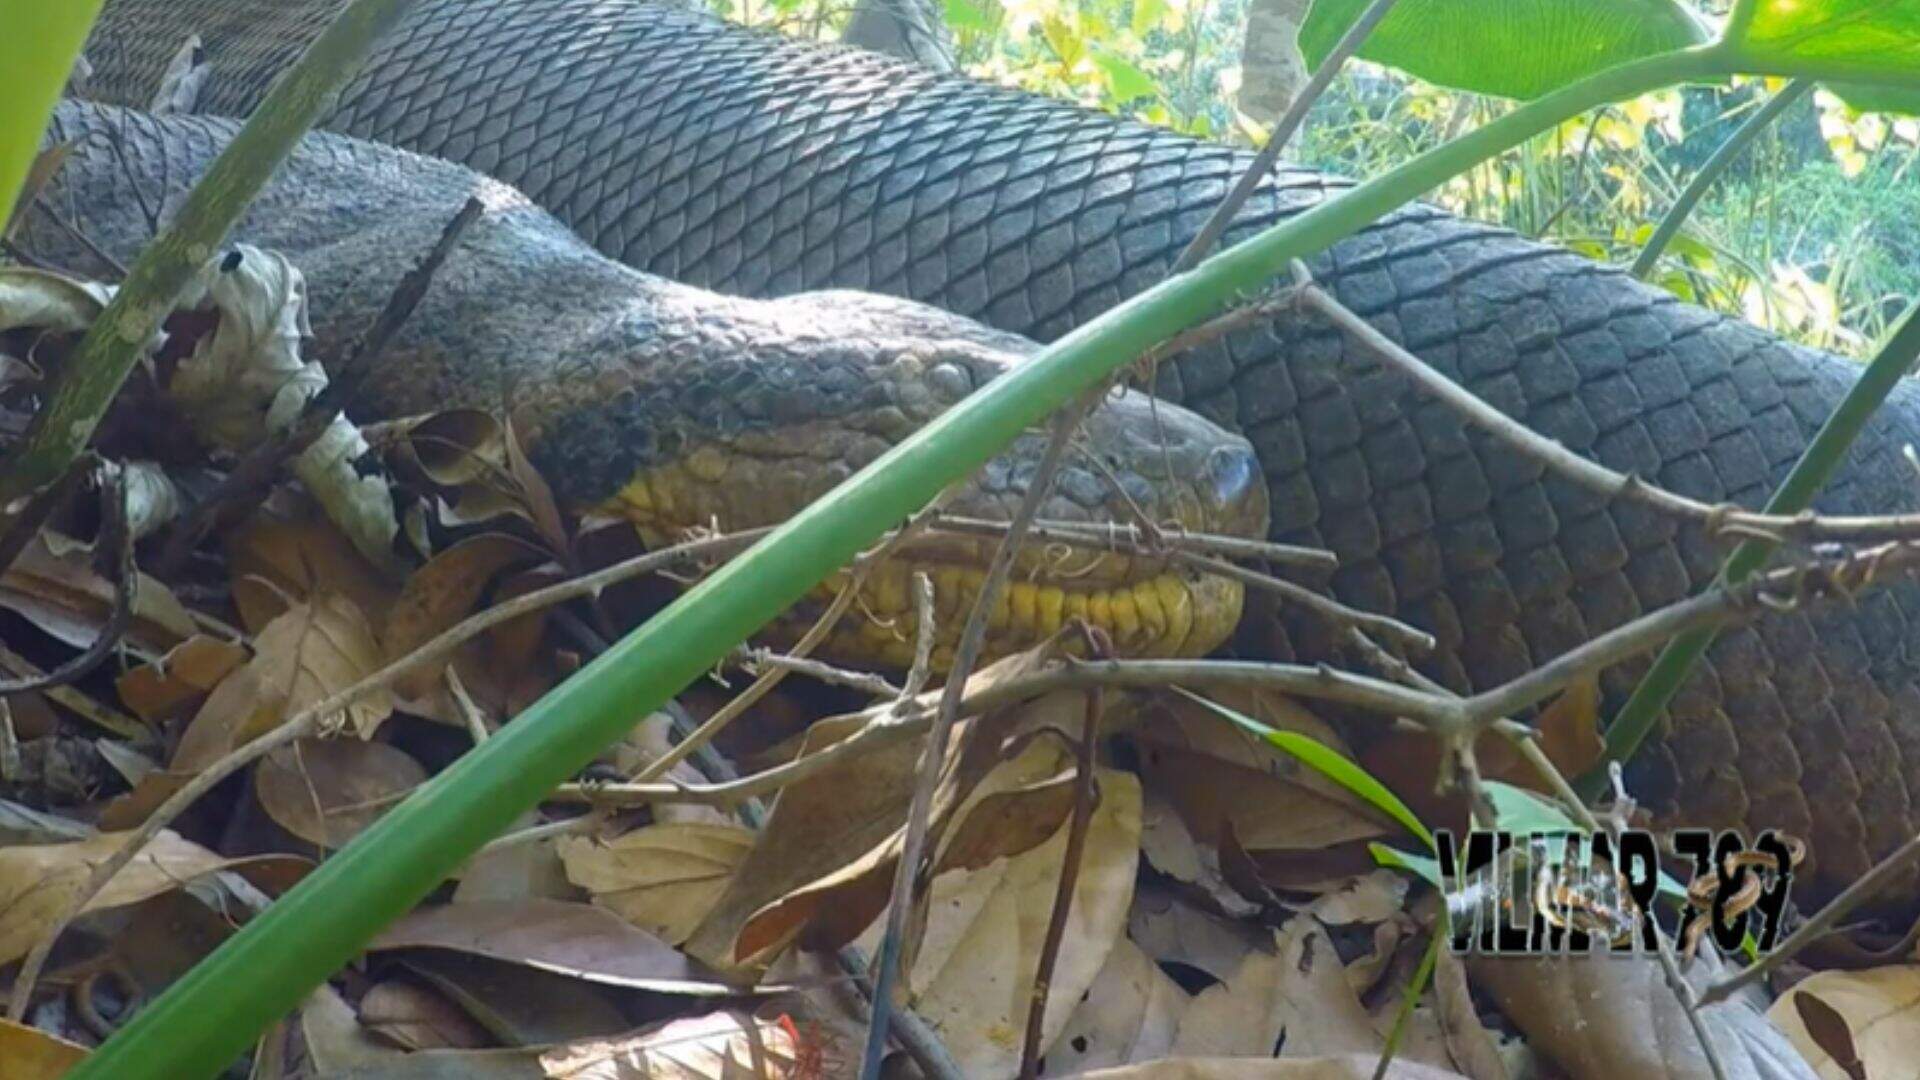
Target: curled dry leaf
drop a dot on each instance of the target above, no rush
(972, 975)
(58, 590)
(439, 595)
(38, 882)
(168, 688)
(412, 1017)
(1129, 1014)
(1874, 1014)
(325, 791)
(1299, 992)
(723, 1044)
(1469, 1044)
(580, 941)
(1603, 1017)
(661, 878)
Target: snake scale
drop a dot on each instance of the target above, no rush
(751, 164)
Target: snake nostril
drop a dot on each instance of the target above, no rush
(1232, 474)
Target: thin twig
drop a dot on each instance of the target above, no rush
(1283, 133)
(756, 661)
(1817, 926)
(1086, 795)
(257, 469)
(933, 756)
(1616, 824)
(1725, 519)
(1131, 538)
(925, 632)
(1335, 613)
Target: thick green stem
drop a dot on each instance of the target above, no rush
(207, 1018)
(93, 372)
(38, 44)
(1723, 155)
(1816, 465)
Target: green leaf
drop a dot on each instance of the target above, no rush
(966, 16)
(1527, 49)
(1863, 38)
(1420, 866)
(1148, 15)
(1521, 812)
(37, 50)
(1064, 37)
(1125, 81)
(1324, 760)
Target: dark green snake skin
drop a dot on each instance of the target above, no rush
(748, 163)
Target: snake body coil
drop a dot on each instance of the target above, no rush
(751, 164)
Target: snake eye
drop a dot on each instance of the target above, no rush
(1231, 474)
(951, 382)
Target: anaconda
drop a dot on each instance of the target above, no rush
(678, 408)
(746, 162)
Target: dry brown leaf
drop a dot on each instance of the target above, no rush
(415, 1018)
(297, 555)
(340, 1047)
(1129, 1014)
(308, 653)
(1171, 930)
(535, 496)
(1641, 1031)
(177, 683)
(1470, 1046)
(439, 595)
(1217, 776)
(64, 596)
(38, 882)
(719, 1045)
(1005, 823)
(1300, 992)
(450, 448)
(1345, 1067)
(325, 791)
(576, 940)
(972, 974)
(28, 1053)
(1879, 1010)
(661, 878)
(824, 861)
(1372, 897)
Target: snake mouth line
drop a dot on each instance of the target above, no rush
(1148, 606)
(1169, 614)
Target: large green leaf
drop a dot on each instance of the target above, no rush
(1866, 39)
(1514, 48)
(38, 43)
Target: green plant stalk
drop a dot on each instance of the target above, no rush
(210, 1016)
(1723, 155)
(93, 372)
(1816, 465)
(39, 41)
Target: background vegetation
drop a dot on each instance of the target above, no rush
(1815, 233)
